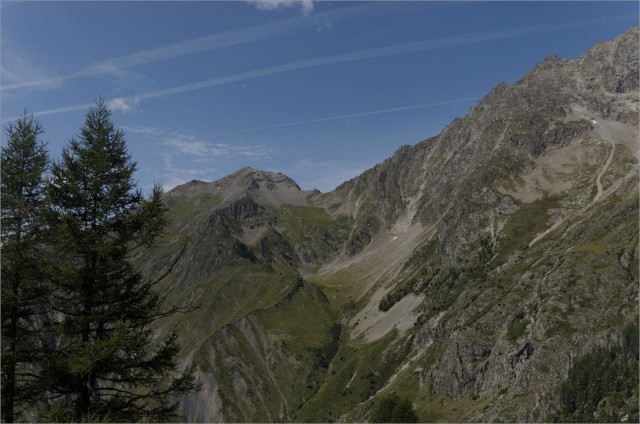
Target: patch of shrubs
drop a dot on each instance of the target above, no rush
(600, 384)
(401, 291)
(393, 409)
(517, 327)
(444, 285)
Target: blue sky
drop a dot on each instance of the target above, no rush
(320, 91)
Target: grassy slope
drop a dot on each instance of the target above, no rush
(281, 351)
(282, 379)
(270, 362)
(280, 331)
(560, 295)
(584, 288)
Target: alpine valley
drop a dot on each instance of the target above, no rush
(470, 273)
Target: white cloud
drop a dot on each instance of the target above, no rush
(194, 148)
(122, 104)
(206, 152)
(187, 156)
(148, 131)
(156, 132)
(306, 6)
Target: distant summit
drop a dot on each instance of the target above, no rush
(263, 187)
(256, 179)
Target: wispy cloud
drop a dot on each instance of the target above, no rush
(54, 111)
(174, 175)
(121, 104)
(187, 156)
(306, 6)
(350, 115)
(433, 44)
(197, 145)
(118, 104)
(148, 131)
(200, 44)
(18, 68)
(207, 151)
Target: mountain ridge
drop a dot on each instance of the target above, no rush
(627, 82)
(466, 272)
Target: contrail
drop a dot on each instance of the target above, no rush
(439, 43)
(213, 42)
(350, 115)
(58, 110)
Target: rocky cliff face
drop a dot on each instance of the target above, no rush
(466, 272)
(500, 138)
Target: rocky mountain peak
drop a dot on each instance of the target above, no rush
(256, 179)
(613, 64)
(192, 188)
(550, 62)
(263, 187)
(269, 187)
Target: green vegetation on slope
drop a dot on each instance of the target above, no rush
(298, 217)
(281, 356)
(517, 327)
(226, 296)
(602, 385)
(442, 285)
(393, 409)
(522, 227)
(357, 372)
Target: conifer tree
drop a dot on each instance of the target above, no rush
(393, 409)
(106, 364)
(24, 163)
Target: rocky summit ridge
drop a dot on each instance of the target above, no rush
(264, 187)
(469, 272)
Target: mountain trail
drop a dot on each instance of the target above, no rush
(603, 131)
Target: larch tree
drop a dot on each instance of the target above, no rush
(24, 165)
(107, 362)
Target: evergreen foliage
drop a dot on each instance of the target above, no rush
(393, 409)
(444, 284)
(105, 363)
(397, 294)
(600, 383)
(517, 327)
(24, 164)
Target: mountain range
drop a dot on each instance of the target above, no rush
(467, 273)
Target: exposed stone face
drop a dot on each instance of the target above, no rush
(499, 138)
(516, 226)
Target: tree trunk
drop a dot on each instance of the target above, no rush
(9, 387)
(83, 401)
